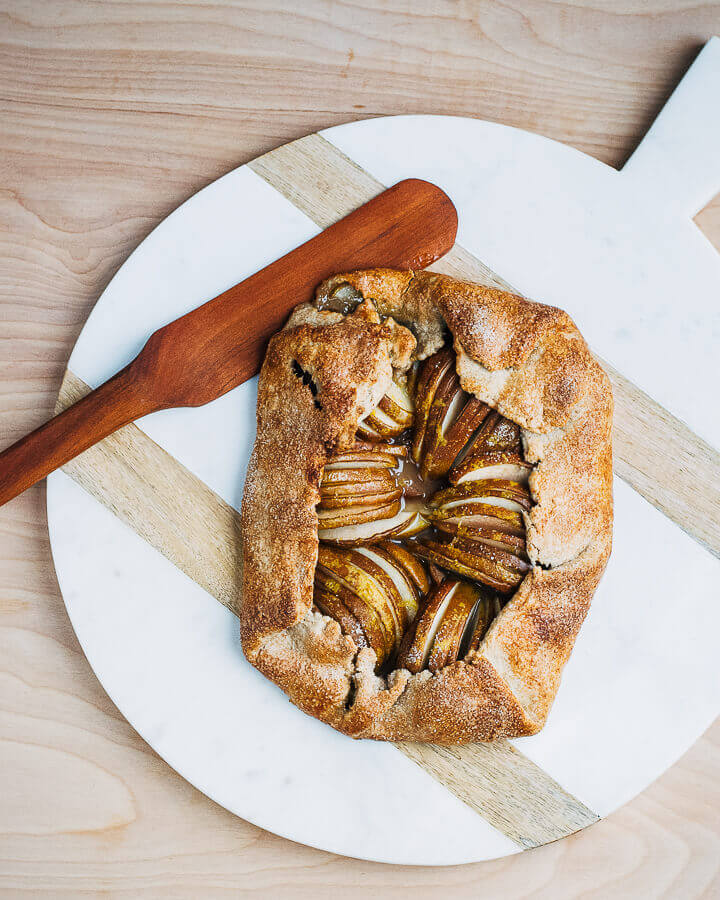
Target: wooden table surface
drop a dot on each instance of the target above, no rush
(113, 113)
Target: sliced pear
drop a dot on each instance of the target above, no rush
(358, 486)
(454, 418)
(487, 468)
(446, 406)
(392, 598)
(378, 638)
(506, 502)
(415, 524)
(373, 530)
(344, 501)
(365, 430)
(488, 534)
(392, 415)
(448, 637)
(475, 564)
(398, 404)
(337, 480)
(485, 491)
(495, 562)
(362, 460)
(412, 566)
(488, 606)
(432, 372)
(406, 596)
(366, 587)
(437, 553)
(355, 515)
(497, 441)
(478, 514)
(379, 425)
(363, 454)
(512, 562)
(463, 417)
(497, 434)
(330, 605)
(344, 490)
(411, 378)
(417, 644)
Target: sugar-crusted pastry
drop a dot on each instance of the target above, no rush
(428, 507)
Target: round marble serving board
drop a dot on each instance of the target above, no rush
(144, 527)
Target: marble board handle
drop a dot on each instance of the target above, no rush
(678, 160)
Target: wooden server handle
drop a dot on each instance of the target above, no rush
(214, 348)
(114, 404)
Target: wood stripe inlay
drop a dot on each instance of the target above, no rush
(162, 501)
(177, 514)
(505, 788)
(656, 453)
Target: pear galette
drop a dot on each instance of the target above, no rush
(428, 507)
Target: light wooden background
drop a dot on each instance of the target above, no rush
(111, 114)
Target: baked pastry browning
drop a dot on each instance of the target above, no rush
(427, 509)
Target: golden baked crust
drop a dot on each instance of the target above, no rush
(324, 372)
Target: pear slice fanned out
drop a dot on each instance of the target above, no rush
(398, 404)
(486, 533)
(392, 599)
(330, 519)
(363, 594)
(393, 414)
(463, 416)
(445, 407)
(406, 595)
(330, 605)
(372, 493)
(360, 485)
(488, 490)
(376, 635)
(448, 637)
(450, 624)
(453, 419)
(431, 374)
(478, 515)
(490, 511)
(417, 644)
(364, 454)
(416, 522)
(498, 569)
(372, 592)
(488, 607)
(482, 531)
(502, 466)
(403, 523)
(412, 566)
(496, 444)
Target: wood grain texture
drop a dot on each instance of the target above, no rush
(110, 116)
(505, 788)
(177, 514)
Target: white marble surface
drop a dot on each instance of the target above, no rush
(642, 684)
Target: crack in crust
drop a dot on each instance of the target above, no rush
(530, 363)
